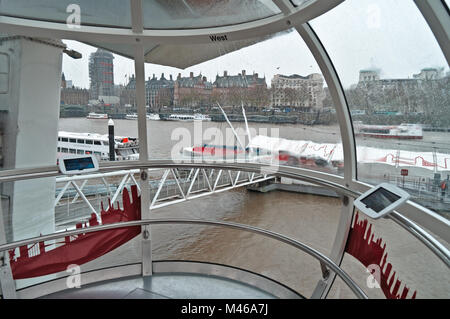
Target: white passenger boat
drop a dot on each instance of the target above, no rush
(126, 148)
(134, 116)
(97, 116)
(201, 117)
(402, 131)
(188, 117)
(180, 117)
(153, 117)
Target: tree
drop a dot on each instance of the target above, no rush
(260, 96)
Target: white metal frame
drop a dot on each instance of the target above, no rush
(290, 16)
(437, 16)
(157, 201)
(348, 145)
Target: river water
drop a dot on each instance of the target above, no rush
(308, 218)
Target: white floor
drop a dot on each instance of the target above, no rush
(158, 286)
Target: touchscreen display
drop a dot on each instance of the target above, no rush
(380, 199)
(78, 164)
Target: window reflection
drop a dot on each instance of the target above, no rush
(91, 94)
(290, 114)
(397, 85)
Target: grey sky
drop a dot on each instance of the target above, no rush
(358, 34)
(284, 54)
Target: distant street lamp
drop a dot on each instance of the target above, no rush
(73, 54)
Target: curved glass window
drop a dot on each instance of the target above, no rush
(397, 85)
(285, 99)
(299, 3)
(157, 14)
(181, 14)
(98, 13)
(400, 265)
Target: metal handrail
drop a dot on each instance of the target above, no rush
(334, 181)
(295, 243)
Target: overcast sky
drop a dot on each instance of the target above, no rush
(358, 34)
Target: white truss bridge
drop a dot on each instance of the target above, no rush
(79, 196)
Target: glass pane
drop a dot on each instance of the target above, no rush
(299, 3)
(287, 106)
(99, 12)
(397, 85)
(307, 218)
(185, 14)
(416, 268)
(37, 207)
(91, 93)
(288, 109)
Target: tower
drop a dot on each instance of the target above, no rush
(101, 74)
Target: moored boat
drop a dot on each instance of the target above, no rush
(134, 116)
(153, 117)
(402, 131)
(97, 116)
(126, 148)
(186, 117)
(201, 117)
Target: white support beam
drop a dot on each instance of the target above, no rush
(136, 16)
(436, 14)
(119, 189)
(81, 189)
(217, 179)
(178, 183)
(285, 6)
(161, 183)
(348, 144)
(231, 177)
(108, 189)
(139, 68)
(86, 201)
(237, 178)
(61, 193)
(207, 179)
(192, 182)
(135, 182)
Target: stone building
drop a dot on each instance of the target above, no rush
(192, 91)
(243, 88)
(295, 91)
(160, 92)
(74, 96)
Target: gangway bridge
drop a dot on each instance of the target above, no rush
(79, 195)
